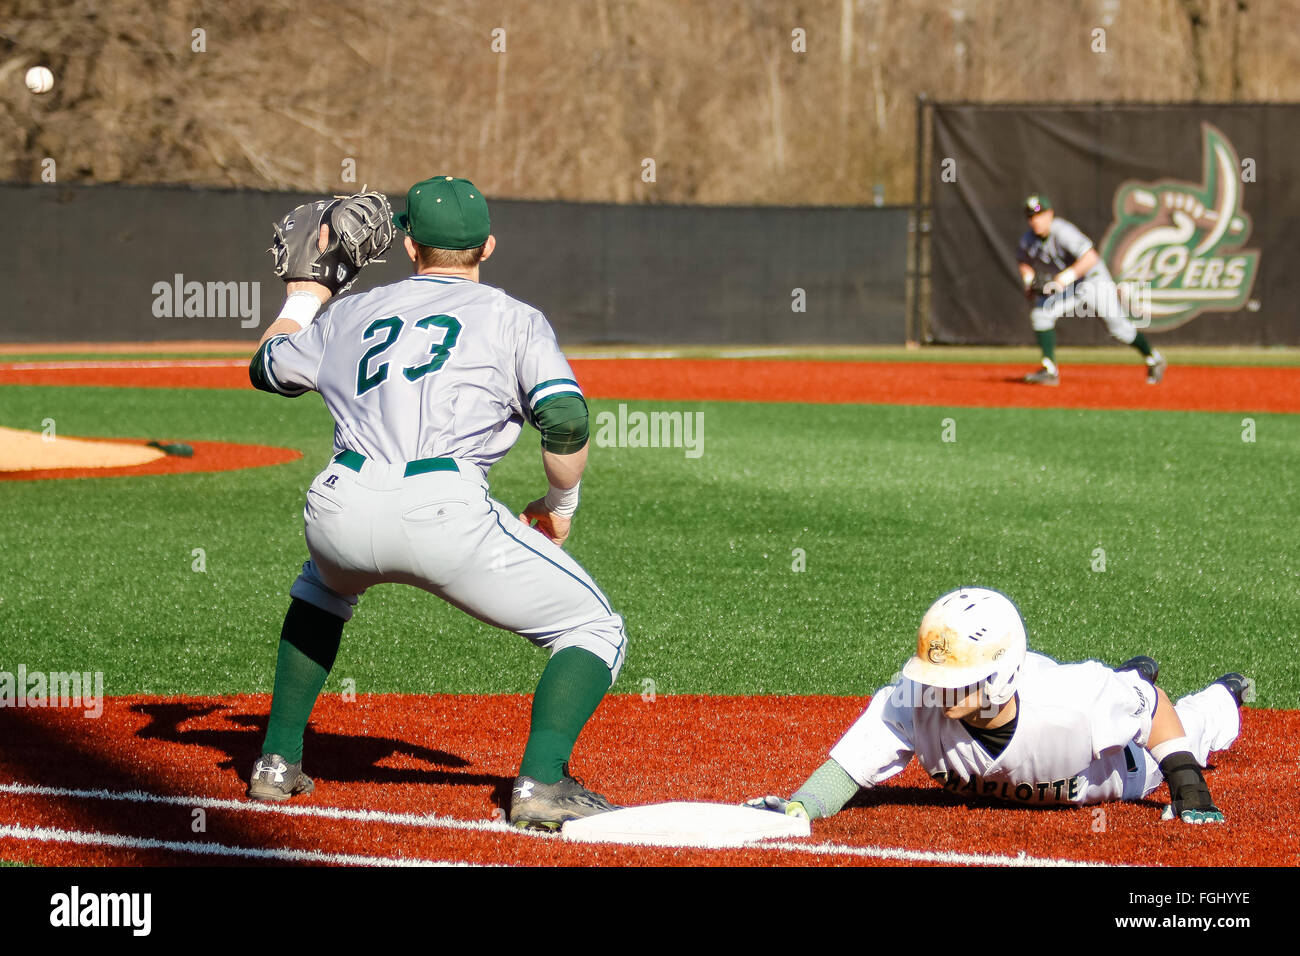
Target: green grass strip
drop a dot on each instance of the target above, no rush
(796, 554)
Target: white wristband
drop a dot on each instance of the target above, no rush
(562, 501)
(1160, 751)
(301, 307)
(1067, 277)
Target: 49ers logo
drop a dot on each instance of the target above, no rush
(1174, 247)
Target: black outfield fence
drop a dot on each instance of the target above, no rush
(1192, 206)
(120, 263)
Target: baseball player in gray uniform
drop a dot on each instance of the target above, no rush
(430, 381)
(1064, 275)
(987, 718)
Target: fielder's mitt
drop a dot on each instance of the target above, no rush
(1038, 287)
(360, 231)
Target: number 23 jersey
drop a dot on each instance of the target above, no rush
(432, 366)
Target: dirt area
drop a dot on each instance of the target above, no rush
(36, 451)
(24, 456)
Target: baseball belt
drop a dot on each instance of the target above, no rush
(421, 466)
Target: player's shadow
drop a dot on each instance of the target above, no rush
(337, 757)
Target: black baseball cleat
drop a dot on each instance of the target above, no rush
(1044, 376)
(275, 780)
(1146, 666)
(547, 806)
(1239, 686)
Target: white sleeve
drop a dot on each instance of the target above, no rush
(289, 364)
(1071, 239)
(1120, 707)
(540, 367)
(879, 744)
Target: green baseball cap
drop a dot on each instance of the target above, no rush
(1037, 203)
(445, 213)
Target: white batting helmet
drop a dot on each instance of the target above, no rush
(968, 636)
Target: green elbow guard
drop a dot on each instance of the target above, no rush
(826, 791)
(257, 370)
(562, 420)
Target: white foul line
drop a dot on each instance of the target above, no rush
(687, 353)
(279, 854)
(495, 826)
(249, 806)
(123, 363)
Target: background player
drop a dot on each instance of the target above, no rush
(986, 718)
(1079, 282)
(429, 381)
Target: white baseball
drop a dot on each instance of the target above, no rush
(40, 79)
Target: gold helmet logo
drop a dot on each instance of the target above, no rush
(937, 651)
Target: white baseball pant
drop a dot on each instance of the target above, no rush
(442, 532)
(1093, 296)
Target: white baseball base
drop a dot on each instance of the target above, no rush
(709, 825)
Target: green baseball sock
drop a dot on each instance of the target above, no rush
(309, 642)
(1047, 342)
(1142, 345)
(572, 687)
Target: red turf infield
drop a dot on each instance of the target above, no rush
(1198, 388)
(455, 756)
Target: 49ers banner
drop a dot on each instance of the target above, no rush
(1191, 208)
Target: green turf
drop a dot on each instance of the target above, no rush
(1199, 531)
